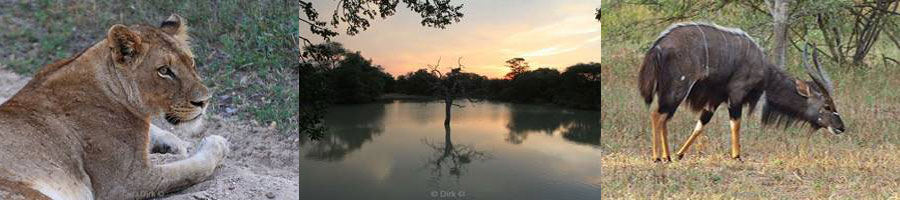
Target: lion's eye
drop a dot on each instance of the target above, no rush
(164, 72)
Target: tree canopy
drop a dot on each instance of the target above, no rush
(848, 30)
(516, 66)
(356, 15)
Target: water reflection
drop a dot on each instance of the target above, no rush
(583, 133)
(352, 126)
(457, 155)
(349, 128)
(579, 127)
(397, 151)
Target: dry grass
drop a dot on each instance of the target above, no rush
(780, 164)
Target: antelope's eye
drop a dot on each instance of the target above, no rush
(164, 72)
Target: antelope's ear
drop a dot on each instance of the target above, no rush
(803, 89)
(124, 44)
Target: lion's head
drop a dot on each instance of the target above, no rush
(159, 62)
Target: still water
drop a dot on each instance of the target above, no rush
(402, 150)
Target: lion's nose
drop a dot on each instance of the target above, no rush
(200, 96)
(198, 103)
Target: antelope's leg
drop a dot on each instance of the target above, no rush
(704, 119)
(736, 138)
(735, 114)
(654, 132)
(664, 137)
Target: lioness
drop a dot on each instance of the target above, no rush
(80, 129)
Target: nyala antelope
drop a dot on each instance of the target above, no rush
(705, 65)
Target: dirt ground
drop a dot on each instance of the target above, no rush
(262, 163)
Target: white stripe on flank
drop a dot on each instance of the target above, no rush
(735, 31)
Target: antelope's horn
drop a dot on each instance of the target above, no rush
(826, 81)
(814, 73)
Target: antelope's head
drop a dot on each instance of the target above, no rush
(820, 110)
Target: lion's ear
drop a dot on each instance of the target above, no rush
(125, 44)
(176, 27)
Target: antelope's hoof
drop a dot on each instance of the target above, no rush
(679, 156)
(738, 158)
(656, 160)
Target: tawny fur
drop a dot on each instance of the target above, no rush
(80, 128)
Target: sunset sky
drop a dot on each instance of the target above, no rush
(547, 33)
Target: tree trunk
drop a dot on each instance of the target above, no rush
(872, 26)
(448, 102)
(448, 144)
(780, 17)
(832, 38)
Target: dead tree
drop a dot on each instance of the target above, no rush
(453, 85)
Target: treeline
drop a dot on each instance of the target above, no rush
(577, 86)
(345, 77)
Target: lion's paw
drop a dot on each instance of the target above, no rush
(165, 142)
(214, 147)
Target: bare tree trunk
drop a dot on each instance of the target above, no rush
(780, 17)
(448, 102)
(871, 28)
(832, 38)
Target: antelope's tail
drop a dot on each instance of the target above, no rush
(648, 75)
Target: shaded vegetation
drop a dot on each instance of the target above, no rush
(344, 77)
(312, 108)
(356, 80)
(576, 87)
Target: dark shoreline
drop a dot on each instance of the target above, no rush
(389, 97)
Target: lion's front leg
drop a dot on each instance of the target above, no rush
(169, 177)
(162, 141)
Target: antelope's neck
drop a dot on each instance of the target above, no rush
(781, 88)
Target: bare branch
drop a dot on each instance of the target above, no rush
(885, 58)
